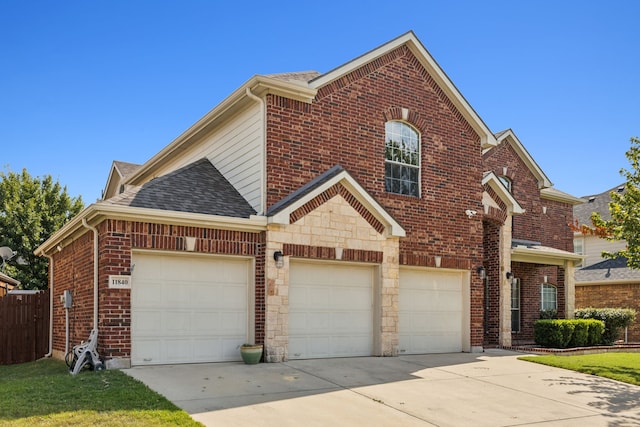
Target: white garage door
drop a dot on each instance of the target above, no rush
(330, 310)
(187, 309)
(431, 311)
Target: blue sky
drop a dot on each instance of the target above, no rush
(83, 83)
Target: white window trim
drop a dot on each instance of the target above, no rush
(419, 166)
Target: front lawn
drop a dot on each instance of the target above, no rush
(44, 393)
(623, 367)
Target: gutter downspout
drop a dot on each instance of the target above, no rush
(50, 307)
(263, 126)
(95, 271)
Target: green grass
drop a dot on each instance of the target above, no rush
(44, 393)
(623, 367)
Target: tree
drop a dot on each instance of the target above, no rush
(31, 210)
(625, 212)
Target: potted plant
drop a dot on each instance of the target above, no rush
(251, 353)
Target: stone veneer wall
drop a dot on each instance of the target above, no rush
(334, 224)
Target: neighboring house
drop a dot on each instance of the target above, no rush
(7, 283)
(364, 211)
(604, 282)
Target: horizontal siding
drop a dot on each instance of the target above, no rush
(235, 149)
(594, 246)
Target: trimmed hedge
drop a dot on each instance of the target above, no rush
(615, 320)
(563, 333)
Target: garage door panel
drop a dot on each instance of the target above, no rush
(330, 310)
(147, 321)
(313, 322)
(431, 314)
(184, 312)
(229, 323)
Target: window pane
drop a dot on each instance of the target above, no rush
(549, 297)
(402, 152)
(395, 186)
(515, 305)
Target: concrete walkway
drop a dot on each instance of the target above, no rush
(461, 389)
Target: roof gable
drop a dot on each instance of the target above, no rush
(119, 173)
(303, 86)
(509, 137)
(445, 84)
(332, 182)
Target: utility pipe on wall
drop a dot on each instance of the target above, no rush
(50, 307)
(95, 271)
(263, 175)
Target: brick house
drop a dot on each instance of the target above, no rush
(604, 283)
(359, 212)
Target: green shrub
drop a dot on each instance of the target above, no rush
(580, 335)
(615, 320)
(563, 333)
(552, 333)
(595, 331)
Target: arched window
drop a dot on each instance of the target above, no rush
(548, 297)
(402, 165)
(506, 181)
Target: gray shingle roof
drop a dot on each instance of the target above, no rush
(595, 203)
(608, 270)
(196, 188)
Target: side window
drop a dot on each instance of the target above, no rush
(515, 305)
(402, 162)
(548, 297)
(506, 181)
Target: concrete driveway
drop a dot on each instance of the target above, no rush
(461, 389)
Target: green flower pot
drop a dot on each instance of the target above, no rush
(251, 354)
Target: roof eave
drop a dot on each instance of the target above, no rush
(512, 204)
(545, 193)
(536, 256)
(97, 212)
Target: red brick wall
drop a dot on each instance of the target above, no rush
(492, 286)
(73, 269)
(531, 278)
(346, 125)
(612, 296)
(550, 229)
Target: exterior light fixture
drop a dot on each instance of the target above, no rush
(278, 257)
(509, 275)
(482, 272)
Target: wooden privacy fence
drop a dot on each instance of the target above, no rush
(24, 327)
